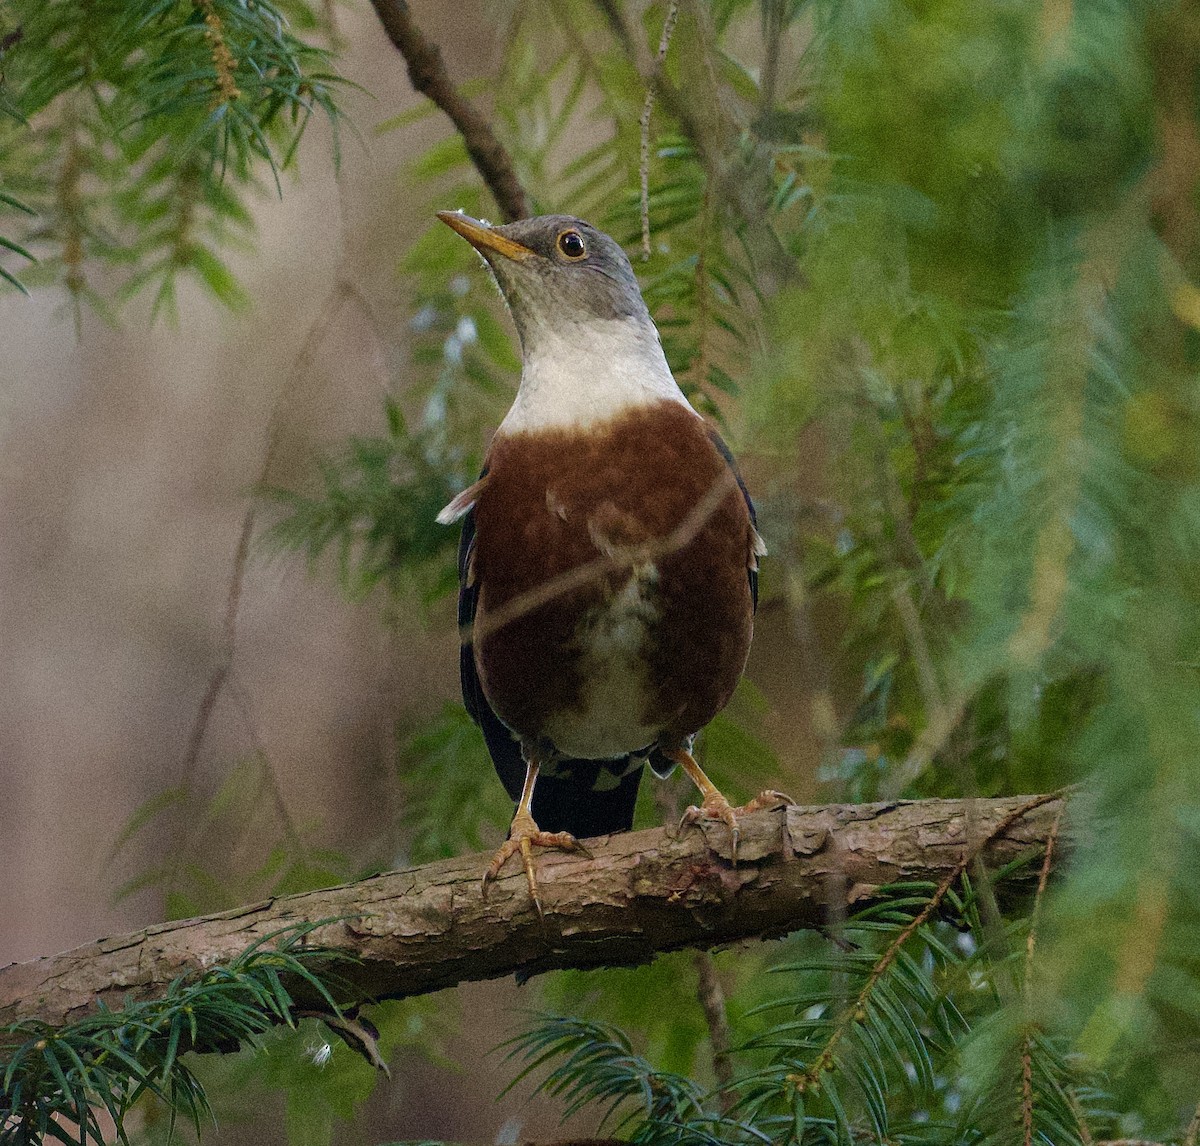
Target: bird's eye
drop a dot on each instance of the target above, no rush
(572, 245)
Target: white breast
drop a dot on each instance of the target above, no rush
(579, 374)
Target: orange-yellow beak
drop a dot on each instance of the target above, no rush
(482, 237)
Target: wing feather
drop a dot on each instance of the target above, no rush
(757, 547)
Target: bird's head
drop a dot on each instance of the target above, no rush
(555, 272)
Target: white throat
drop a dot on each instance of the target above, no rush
(584, 373)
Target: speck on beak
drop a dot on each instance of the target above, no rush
(483, 237)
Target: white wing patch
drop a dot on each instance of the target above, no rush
(461, 505)
(758, 548)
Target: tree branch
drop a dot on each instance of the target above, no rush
(427, 70)
(422, 929)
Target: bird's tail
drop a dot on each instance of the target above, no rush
(586, 798)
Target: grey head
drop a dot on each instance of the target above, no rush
(555, 271)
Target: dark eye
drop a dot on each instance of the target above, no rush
(572, 245)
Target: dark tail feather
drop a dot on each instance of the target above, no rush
(569, 803)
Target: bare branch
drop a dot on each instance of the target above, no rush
(221, 675)
(711, 994)
(664, 42)
(427, 70)
(422, 929)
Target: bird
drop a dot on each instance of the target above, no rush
(608, 559)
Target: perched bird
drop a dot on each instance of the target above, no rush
(608, 562)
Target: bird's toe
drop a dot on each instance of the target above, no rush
(524, 836)
(717, 807)
(770, 800)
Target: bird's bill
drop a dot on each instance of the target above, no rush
(484, 238)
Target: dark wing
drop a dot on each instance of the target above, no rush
(731, 462)
(503, 749)
(584, 797)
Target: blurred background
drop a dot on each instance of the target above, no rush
(931, 268)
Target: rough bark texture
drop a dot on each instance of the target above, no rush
(426, 928)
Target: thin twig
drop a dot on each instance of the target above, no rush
(709, 991)
(427, 71)
(774, 19)
(704, 122)
(341, 292)
(712, 1001)
(918, 646)
(1043, 878)
(291, 832)
(216, 680)
(664, 42)
(700, 369)
(615, 19)
(938, 727)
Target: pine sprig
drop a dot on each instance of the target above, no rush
(599, 1068)
(55, 1077)
(889, 1036)
(138, 132)
(376, 509)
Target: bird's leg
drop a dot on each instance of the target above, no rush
(714, 806)
(524, 835)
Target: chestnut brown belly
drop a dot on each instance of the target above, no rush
(613, 614)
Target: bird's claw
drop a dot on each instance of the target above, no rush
(524, 836)
(768, 800)
(716, 807)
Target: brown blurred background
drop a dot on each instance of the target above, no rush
(126, 465)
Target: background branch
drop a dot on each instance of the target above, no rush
(427, 70)
(419, 930)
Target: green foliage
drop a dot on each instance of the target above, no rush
(376, 508)
(600, 1068)
(733, 750)
(657, 1001)
(53, 1077)
(136, 133)
(276, 856)
(891, 1036)
(449, 805)
(323, 1081)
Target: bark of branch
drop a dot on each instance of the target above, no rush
(427, 928)
(427, 71)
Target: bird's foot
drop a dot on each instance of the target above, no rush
(523, 836)
(716, 807)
